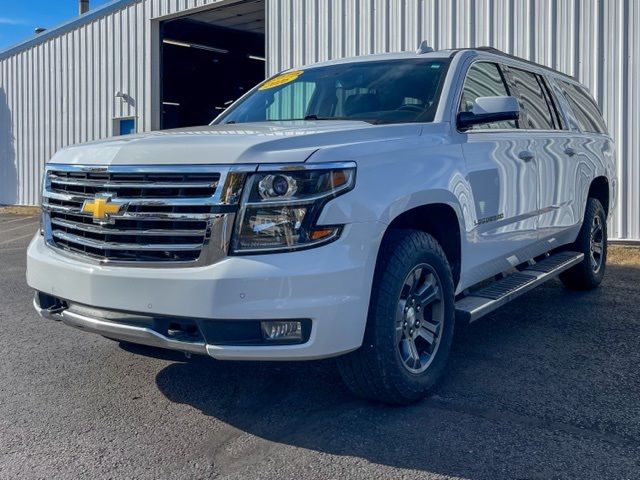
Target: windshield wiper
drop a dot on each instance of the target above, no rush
(316, 117)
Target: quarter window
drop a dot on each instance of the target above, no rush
(584, 108)
(552, 101)
(539, 113)
(484, 79)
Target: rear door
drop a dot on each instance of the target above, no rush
(591, 148)
(502, 176)
(543, 123)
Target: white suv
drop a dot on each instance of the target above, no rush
(354, 208)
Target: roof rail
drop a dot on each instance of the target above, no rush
(497, 51)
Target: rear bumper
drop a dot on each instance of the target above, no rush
(329, 285)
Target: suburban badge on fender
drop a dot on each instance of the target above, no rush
(101, 208)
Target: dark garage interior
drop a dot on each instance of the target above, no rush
(208, 60)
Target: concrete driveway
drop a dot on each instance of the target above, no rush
(548, 387)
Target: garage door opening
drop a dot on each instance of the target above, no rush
(208, 60)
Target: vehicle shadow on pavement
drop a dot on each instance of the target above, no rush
(534, 391)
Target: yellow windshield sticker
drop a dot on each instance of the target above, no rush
(281, 80)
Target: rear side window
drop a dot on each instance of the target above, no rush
(535, 101)
(584, 108)
(484, 79)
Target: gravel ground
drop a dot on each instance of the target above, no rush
(547, 387)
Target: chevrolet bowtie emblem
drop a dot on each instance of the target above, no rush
(101, 208)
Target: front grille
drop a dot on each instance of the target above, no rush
(166, 213)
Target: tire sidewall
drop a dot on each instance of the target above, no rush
(594, 208)
(411, 385)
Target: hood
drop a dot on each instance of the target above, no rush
(264, 142)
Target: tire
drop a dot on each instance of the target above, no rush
(592, 242)
(412, 266)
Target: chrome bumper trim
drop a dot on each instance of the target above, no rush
(118, 331)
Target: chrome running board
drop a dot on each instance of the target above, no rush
(481, 302)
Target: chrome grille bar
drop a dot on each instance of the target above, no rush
(84, 227)
(108, 185)
(102, 245)
(77, 210)
(75, 198)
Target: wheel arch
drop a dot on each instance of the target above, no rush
(441, 220)
(599, 189)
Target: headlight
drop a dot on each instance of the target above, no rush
(280, 208)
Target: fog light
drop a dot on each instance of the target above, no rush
(281, 330)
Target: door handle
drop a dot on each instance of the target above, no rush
(526, 155)
(569, 151)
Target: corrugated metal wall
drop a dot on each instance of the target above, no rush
(598, 41)
(62, 91)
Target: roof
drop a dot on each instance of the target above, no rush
(505, 55)
(68, 26)
(437, 54)
(381, 56)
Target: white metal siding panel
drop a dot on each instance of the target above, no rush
(598, 41)
(61, 91)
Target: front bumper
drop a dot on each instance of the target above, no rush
(330, 285)
(118, 330)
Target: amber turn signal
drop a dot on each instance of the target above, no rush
(338, 178)
(320, 234)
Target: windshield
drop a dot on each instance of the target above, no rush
(391, 91)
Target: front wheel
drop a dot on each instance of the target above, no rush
(592, 242)
(410, 325)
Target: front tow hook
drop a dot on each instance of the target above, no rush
(49, 307)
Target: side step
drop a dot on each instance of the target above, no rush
(486, 300)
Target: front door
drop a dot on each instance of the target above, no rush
(502, 174)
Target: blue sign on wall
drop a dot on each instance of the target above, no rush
(127, 126)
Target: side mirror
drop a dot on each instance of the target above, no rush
(488, 110)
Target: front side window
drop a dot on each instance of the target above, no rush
(484, 79)
(390, 91)
(584, 108)
(539, 113)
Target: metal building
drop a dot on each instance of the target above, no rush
(115, 69)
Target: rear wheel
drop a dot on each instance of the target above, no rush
(410, 324)
(592, 242)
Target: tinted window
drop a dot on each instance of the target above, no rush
(538, 112)
(394, 91)
(484, 80)
(584, 108)
(552, 101)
